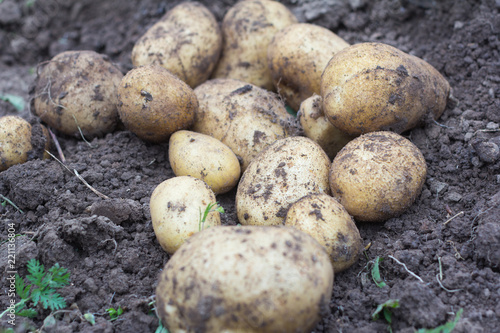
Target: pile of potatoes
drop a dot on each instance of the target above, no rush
(218, 94)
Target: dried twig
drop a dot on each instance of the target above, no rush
(90, 187)
(58, 147)
(406, 268)
(451, 218)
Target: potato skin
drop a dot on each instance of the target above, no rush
(244, 117)
(154, 103)
(175, 207)
(245, 279)
(204, 157)
(187, 41)
(78, 89)
(297, 56)
(373, 86)
(247, 29)
(281, 174)
(377, 176)
(15, 141)
(327, 221)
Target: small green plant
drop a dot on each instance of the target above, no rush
(7, 201)
(210, 208)
(445, 328)
(160, 328)
(114, 313)
(376, 273)
(385, 309)
(16, 101)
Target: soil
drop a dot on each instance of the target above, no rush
(448, 241)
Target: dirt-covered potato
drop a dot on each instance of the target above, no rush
(244, 117)
(187, 41)
(247, 28)
(76, 90)
(245, 279)
(377, 176)
(297, 56)
(317, 127)
(281, 174)
(154, 103)
(175, 208)
(327, 221)
(372, 87)
(204, 157)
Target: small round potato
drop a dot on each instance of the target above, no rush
(187, 41)
(15, 141)
(248, 27)
(281, 174)
(176, 205)
(327, 221)
(204, 157)
(372, 87)
(377, 176)
(317, 127)
(76, 90)
(154, 103)
(245, 279)
(297, 56)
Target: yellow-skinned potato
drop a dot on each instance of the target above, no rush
(187, 41)
(327, 221)
(281, 174)
(317, 127)
(244, 117)
(373, 86)
(76, 90)
(377, 176)
(204, 157)
(154, 103)
(175, 208)
(245, 279)
(297, 56)
(248, 27)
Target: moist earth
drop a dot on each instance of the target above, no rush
(448, 241)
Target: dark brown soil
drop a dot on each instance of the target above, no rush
(450, 237)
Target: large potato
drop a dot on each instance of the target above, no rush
(297, 56)
(187, 41)
(372, 86)
(76, 90)
(377, 176)
(154, 103)
(244, 117)
(248, 27)
(281, 174)
(327, 221)
(245, 279)
(176, 205)
(204, 157)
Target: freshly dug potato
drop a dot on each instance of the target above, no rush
(248, 27)
(281, 174)
(76, 90)
(154, 103)
(317, 127)
(175, 207)
(372, 86)
(377, 176)
(327, 221)
(245, 279)
(297, 56)
(204, 157)
(187, 41)
(244, 117)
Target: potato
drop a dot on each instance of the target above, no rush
(281, 174)
(76, 90)
(204, 157)
(244, 117)
(317, 127)
(245, 279)
(297, 56)
(248, 27)
(187, 41)
(176, 205)
(154, 103)
(372, 86)
(327, 221)
(377, 176)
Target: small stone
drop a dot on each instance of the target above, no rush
(492, 126)
(438, 187)
(488, 152)
(458, 25)
(454, 197)
(468, 136)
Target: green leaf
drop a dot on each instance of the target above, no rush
(59, 276)
(36, 271)
(376, 273)
(445, 328)
(90, 318)
(21, 289)
(386, 306)
(30, 313)
(16, 101)
(51, 300)
(290, 110)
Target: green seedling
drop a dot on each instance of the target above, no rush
(160, 328)
(210, 208)
(114, 313)
(376, 273)
(445, 328)
(7, 201)
(385, 309)
(16, 101)
(90, 318)
(42, 289)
